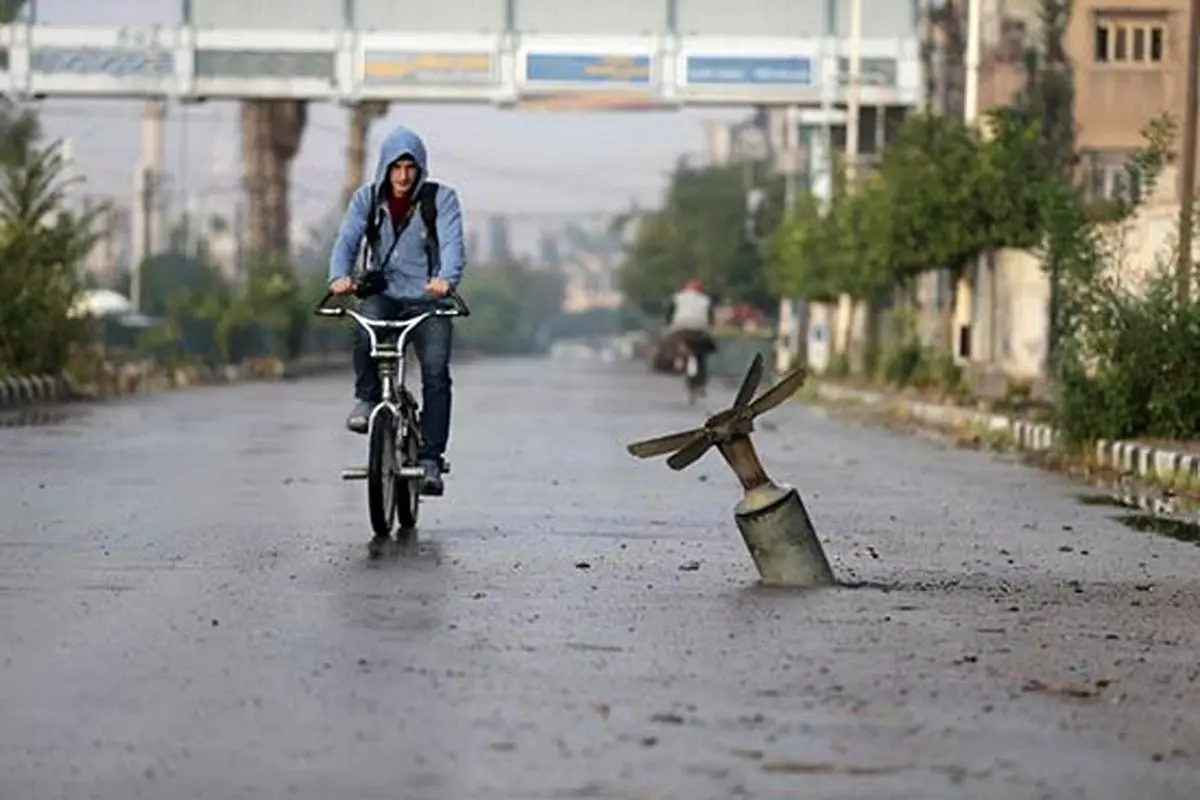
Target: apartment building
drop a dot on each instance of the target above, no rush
(1130, 65)
(1129, 61)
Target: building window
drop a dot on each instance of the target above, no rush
(1109, 176)
(1130, 41)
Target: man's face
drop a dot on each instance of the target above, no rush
(403, 175)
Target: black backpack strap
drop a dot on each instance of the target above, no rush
(375, 218)
(427, 202)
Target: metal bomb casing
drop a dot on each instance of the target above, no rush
(772, 519)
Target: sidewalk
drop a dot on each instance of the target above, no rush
(1174, 469)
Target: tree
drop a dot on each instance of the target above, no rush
(801, 255)
(512, 308)
(939, 188)
(41, 247)
(1048, 98)
(700, 232)
(166, 275)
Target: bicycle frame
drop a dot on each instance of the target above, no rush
(390, 355)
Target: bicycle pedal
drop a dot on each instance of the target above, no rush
(411, 472)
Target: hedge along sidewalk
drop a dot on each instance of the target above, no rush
(1175, 469)
(129, 379)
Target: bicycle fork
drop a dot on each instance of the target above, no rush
(389, 405)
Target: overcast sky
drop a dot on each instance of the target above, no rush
(500, 160)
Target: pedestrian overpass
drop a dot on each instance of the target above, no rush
(658, 53)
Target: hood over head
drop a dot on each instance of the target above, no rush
(401, 141)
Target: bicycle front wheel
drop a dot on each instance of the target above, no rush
(381, 473)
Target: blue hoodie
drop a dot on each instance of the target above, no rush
(407, 268)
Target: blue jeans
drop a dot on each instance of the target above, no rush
(432, 341)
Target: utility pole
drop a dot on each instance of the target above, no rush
(971, 92)
(791, 316)
(1187, 188)
(846, 304)
(853, 105)
(146, 228)
(831, 54)
(963, 292)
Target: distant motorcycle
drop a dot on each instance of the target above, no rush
(691, 352)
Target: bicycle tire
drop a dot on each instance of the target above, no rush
(381, 473)
(408, 490)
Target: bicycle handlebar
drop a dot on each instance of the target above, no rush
(460, 310)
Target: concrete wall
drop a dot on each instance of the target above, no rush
(1011, 299)
(616, 17)
(313, 15)
(1013, 317)
(442, 16)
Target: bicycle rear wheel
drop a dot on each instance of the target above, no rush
(408, 490)
(381, 473)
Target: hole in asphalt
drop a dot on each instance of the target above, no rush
(1163, 526)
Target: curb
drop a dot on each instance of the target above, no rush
(30, 389)
(22, 392)
(1176, 469)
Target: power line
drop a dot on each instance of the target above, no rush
(556, 179)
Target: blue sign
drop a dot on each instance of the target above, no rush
(108, 62)
(749, 70)
(581, 68)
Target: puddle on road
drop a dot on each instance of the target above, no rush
(1101, 500)
(1144, 522)
(1177, 529)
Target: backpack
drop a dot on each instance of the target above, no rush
(426, 202)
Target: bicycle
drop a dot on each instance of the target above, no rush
(393, 473)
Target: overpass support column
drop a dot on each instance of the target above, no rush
(146, 217)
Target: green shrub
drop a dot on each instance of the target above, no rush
(1133, 369)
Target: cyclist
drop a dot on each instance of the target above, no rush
(414, 258)
(689, 322)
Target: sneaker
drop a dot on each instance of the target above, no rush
(357, 421)
(433, 477)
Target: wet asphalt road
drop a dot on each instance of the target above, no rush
(187, 611)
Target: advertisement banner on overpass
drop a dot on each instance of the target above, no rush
(710, 70)
(211, 63)
(589, 68)
(390, 68)
(102, 62)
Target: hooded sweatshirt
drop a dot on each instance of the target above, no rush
(406, 268)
